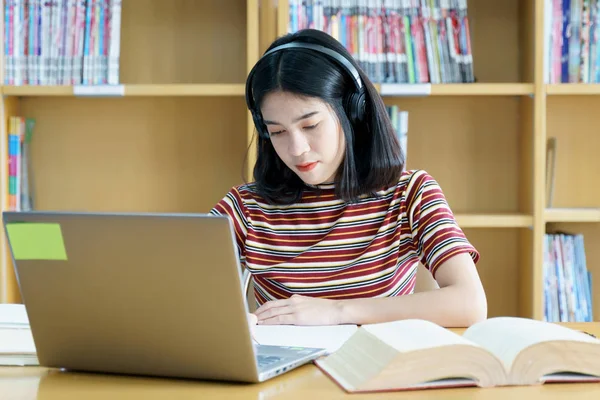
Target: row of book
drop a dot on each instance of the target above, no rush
(61, 42)
(20, 132)
(572, 30)
(399, 119)
(567, 281)
(396, 41)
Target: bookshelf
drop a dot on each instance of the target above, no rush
(176, 136)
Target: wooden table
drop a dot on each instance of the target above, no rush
(307, 382)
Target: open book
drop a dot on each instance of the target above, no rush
(503, 351)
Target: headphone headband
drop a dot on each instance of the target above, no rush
(354, 102)
(331, 53)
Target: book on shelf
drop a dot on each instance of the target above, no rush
(399, 120)
(551, 147)
(20, 175)
(396, 41)
(567, 281)
(501, 351)
(571, 50)
(62, 42)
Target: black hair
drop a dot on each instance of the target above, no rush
(373, 158)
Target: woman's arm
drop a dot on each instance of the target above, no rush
(459, 302)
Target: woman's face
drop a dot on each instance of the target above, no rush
(306, 135)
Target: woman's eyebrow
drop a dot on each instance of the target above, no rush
(307, 115)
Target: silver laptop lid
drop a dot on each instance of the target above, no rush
(156, 294)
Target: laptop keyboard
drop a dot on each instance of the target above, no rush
(266, 361)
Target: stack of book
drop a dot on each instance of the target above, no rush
(16, 342)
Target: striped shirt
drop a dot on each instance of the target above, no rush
(325, 247)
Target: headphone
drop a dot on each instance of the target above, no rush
(354, 103)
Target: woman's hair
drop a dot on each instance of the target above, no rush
(373, 158)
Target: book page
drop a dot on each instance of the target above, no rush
(506, 337)
(330, 337)
(16, 341)
(411, 335)
(13, 316)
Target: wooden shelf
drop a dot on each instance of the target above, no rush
(494, 220)
(37, 90)
(567, 89)
(232, 89)
(572, 215)
(150, 90)
(455, 89)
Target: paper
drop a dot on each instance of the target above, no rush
(330, 337)
(36, 241)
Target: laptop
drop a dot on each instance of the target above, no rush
(140, 294)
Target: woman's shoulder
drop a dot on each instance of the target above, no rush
(414, 179)
(236, 200)
(245, 192)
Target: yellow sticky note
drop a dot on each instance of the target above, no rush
(36, 241)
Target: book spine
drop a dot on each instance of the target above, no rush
(395, 41)
(16, 43)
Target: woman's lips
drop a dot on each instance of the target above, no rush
(307, 166)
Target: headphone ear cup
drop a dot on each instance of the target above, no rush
(355, 106)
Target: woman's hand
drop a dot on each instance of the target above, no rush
(299, 310)
(252, 321)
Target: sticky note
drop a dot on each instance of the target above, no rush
(36, 241)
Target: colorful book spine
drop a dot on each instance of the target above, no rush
(399, 121)
(567, 280)
(20, 193)
(14, 163)
(396, 41)
(572, 53)
(67, 42)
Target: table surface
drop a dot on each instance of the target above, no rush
(29, 383)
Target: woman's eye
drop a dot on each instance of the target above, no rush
(311, 126)
(275, 133)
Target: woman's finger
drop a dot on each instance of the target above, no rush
(252, 322)
(284, 319)
(274, 312)
(271, 305)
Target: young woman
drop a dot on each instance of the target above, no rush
(333, 228)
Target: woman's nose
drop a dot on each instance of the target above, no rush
(298, 144)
